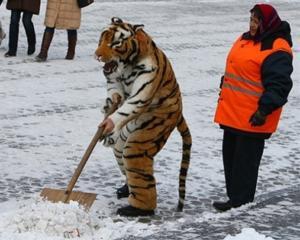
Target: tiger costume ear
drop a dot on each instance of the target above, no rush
(116, 20)
(137, 27)
(144, 41)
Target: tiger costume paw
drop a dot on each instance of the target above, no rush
(109, 102)
(110, 139)
(106, 106)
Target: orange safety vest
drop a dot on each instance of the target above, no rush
(242, 86)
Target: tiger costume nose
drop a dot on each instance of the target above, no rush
(98, 54)
(97, 57)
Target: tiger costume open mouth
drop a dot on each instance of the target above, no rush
(110, 67)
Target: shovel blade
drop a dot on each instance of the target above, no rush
(56, 195)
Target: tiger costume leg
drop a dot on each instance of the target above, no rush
(118, 149)
(120, 145)
(123, 191)
(148, 135)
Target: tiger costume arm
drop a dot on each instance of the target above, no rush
(115, 94)
(115, 89)
(142, 93)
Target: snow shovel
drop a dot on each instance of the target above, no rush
(65, 196)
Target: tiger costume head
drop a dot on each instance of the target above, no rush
(121, 44)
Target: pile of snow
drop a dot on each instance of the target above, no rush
(44, 220)
(248, 234)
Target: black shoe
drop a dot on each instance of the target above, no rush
(123, 191)
(130, 211)
(9, 54)
(31, 50)
(222, 206)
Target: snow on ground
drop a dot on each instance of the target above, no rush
(50, 111)
(44, 220)
(248, 234)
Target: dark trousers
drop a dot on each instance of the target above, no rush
(14, 30)
(71, 32)
(241, 159)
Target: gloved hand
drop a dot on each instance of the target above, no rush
(258, 118)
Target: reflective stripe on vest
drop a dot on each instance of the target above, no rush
(238, 78)
(242, 90)
(242, 86)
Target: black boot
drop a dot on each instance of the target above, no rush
(31, 49)
(30, 32)
(130, 211)
(123, 191)
(9, 54)
(224, 206)
(72, 40)
(47, 39)
(13, 34)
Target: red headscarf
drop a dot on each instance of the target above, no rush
(269, 18)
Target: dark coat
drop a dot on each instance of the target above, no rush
(276, 72)
(32, 6)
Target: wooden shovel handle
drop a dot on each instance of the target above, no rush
(86, 156)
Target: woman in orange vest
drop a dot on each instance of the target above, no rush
(254, 88)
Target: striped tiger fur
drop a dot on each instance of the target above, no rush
(141, 76)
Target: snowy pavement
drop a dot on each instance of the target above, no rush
(50, 111)
(275, 214)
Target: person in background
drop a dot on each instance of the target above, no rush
(255, 86)
(27, 9)
(2, 33)
(60, 14)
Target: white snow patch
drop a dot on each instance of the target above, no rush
(248, 234)
(45, 220)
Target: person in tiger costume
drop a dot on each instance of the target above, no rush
(140, 78)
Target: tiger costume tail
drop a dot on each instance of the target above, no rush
(184, 131)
